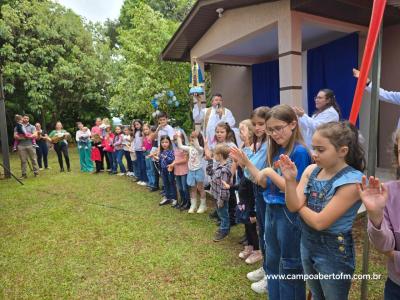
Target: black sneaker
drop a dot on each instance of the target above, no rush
(62, 170)
(220, 235)
(243, 240)
(23, 177)
(213, 215)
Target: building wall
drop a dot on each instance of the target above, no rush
(390, 80)
(235, 85)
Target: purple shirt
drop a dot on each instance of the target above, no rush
(387, 237)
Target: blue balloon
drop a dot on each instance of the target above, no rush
(170, 94)
(177, 103)
(196, 90)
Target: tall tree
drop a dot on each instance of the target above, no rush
(175, 10)
(51, 67)
(143, 74)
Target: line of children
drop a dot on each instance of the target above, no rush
(304, 211)
(282, 227)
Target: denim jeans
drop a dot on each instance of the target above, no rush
(392, 290)
(140, 170)
(150, 171)
(223, 214)
(119, 154)
(128, 161)
(282, 245)
(156, 178)
(42, 153)
(168, 179)
(260, 214)
(113, 164)
(183, 188)
(326, 253)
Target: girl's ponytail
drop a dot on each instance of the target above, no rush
(342, 134)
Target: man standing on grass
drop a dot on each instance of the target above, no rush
(26, 148)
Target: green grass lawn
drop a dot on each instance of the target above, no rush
(74, 235)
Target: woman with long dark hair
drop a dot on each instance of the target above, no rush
(42, 150)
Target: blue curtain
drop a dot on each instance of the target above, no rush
(330, 66)
(266, 84)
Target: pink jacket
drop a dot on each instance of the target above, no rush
(107, 143)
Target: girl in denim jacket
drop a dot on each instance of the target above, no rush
(327, 201)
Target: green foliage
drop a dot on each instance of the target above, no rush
(175, 10)
(143, 74)
(56, 67)
(52, 69)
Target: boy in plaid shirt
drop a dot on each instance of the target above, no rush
(221, 176)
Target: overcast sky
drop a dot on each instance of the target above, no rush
(94, 10)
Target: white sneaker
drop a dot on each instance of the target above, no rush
(164, 201)
(256, 275)
(142, 183)
(174, 202)
(260, 287)
(120, 174)
(203, 206)
(193, 204)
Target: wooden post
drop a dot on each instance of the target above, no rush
(3, 131)
(372, 149)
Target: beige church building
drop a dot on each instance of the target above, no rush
(261, 52)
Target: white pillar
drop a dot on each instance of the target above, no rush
(290, 61)
(200, 63)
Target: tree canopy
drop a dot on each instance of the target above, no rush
(142, 73)
(58, 66)
(51, 67)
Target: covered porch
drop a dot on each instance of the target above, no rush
(270, 52)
